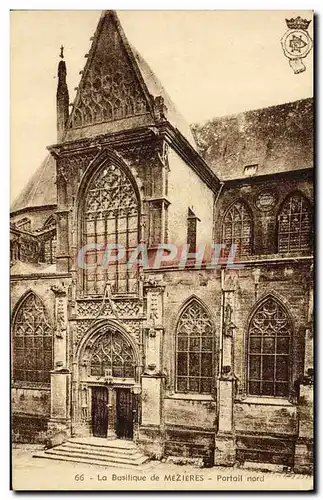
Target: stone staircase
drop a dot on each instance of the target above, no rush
(98, 451)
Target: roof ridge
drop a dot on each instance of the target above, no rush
(233, 115)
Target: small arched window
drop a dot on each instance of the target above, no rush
(269, 350)
(32, 342)
(295, 225)
(237, 229)
(194, 350)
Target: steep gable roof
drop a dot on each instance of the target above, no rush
(117, 84)
(40, 190)
(111, 86)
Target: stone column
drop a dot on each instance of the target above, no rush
(303, 461)
(59, 426)
(225, 441)
(111, 434)
(152, 439)
(62, 215)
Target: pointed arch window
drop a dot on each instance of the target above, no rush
(110, 216)
(32, 342)
(269, 350)
(237, 229)
(295, 225)
(194, 351)
(111, 352)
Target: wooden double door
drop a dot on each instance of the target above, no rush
(122, 408)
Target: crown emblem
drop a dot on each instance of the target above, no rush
(297, 24)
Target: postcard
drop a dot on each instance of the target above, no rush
(161, 250)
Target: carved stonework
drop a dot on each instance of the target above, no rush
(231, 281)
(111, 355)
(82, 327)
(134, 328)
(265, 200)
(77, 162)
(60, 318)
(91, 308)
(147, 158)
(155, 281)
(111, 190)
(110, 88)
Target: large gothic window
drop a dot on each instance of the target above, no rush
(237, 229)
(110, 216)
(295, 225)
(32, 342)
(112, 354)
(269, 350)
(194, 350)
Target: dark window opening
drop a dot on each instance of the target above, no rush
(194, 351)
(269, 350)
(32, 342)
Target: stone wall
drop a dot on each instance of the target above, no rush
(264, 200)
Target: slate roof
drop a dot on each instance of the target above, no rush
(40, 190)
(277, 139)
(156, 89)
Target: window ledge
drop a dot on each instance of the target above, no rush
(265, 401)
(192, 397)
(31, 386)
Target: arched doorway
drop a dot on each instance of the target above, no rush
(108, 376)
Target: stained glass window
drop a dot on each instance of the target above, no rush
(269, 350)
(110, 217)
(237, 229)
(194, 351)
(295, 225)
(32, 342)
(113, 353)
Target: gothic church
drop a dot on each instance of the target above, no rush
(209, 363)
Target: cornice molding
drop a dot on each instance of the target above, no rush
(163, 130)
(303, 173)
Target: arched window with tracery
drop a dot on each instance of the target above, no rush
(113, 354)
(32, 342)
(237, 229)
(110, 216)
(295, 225)
(269, 343)
(194, 351)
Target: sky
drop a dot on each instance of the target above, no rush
(211, 63)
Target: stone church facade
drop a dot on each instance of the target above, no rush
(192, 361)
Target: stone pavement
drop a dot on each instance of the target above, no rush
(42, 474)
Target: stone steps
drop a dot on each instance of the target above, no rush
(96, 451)
(101, 450)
